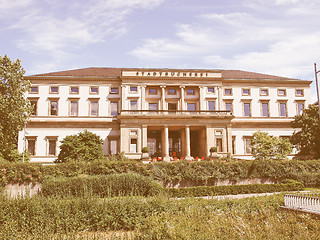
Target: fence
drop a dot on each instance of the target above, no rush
(307, 202)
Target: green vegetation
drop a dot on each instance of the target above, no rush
(265, 147)
(84, 147)
(14, 107)
(307, 138)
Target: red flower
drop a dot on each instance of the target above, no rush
(29, 176)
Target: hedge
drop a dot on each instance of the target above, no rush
(234, 189)
(204, 172)
(130, 184)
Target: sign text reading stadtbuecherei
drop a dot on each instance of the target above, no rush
(170, 74)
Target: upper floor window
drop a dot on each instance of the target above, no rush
(246, 110)
(264, 92)
(172, 91)
(114, 108)
(34, 105)
(53, 108)
(94, 107)
(153, 106)
(133, 89)
(54, 89)
(283, 109)
(114, 90)
(246, 92)
(281, 92)
(152, 91)
(210, 89)
(74, 90)
(34, 89)
(191, 106)
(300, 107)
(227, 91)
(190, 91)
(228, 106)
(299, 92)
(211, 105)
(265, 109)
(133, 105)
(73, 108)
(94, 90)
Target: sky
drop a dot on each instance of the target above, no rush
(277, 37)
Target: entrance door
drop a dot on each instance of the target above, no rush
(195, 143)
(154, 143)
(174, 144)
(172, 106)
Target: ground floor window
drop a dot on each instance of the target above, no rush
(219, 144)
(133, 145)
(52, 146)
(31, 146)
(113, 146)
(247, 148)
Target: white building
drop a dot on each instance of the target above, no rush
(177, 113)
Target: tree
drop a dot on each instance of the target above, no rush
(265, 147)
(307, 132)
(15, 109)
(84, 146)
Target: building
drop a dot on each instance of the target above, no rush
(178, 113)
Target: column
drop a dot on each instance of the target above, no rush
(182, 98)
(187, 142)
(124, 142)
(165, 144)
(163, 97)
(229, 136)
(220, 102)
(210, 138)
(144, 136)
(201, 99)
(123, 98)
(143, 97)
(224, 140)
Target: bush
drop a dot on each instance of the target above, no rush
(234, 189)
(84, 146)
(130, 184)
(145, 150)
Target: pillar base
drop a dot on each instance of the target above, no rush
(188, 158)
(166, 158)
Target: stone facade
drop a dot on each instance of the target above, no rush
(177, 113)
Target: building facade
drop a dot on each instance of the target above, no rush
(177, 113)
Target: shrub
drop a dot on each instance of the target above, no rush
(102, 186)
(145, 150)
(84, 146)
(234, 189)
(213, 149)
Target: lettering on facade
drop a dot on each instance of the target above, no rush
(170, 74)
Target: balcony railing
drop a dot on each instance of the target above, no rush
(176, 112)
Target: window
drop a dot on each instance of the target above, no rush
(54, 89)
(210, 89)
(153, 106)
(52, 146)
(133, 89)
(211, 105)
(114, 90)
(191, 106)
(281, 92)
(227, 91)
(246, 92)
(247, 148)
(94, 90)
(34, 89)
(283, 109)
(74, 90)
(264, 92)
(133, 145)
(228, 106)
(246, 109)
(94, 107)
(53, 108)
(299, 92)
(265, 109)
(133, 105)
(73, 108)
(114, 108)
(31, 143)
(34, 106)
(113, 147)
(152, 91)
(300, 107)
(190, 91)
(172, 91)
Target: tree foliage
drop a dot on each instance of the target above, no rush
(265, 147)
(307, 134)
(84, 146)
(14, 107)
